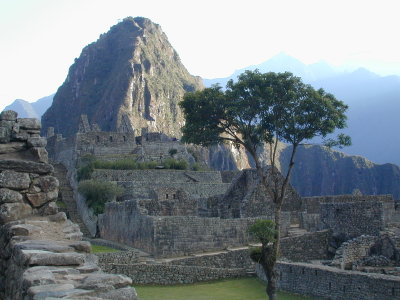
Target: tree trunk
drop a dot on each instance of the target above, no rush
(270, 273)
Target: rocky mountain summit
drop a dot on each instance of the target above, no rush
(130, 78)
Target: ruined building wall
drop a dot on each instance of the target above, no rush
(349, 215)
(165, 236)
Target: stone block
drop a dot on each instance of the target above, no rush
(14, 211)
(14, 180)
(46, 258)
(26, 166)
(120, 294)
(40, 154)
(24, 229)
(48, 209)
(101, 280)
(37, 276)
(46, 183)
(9, 196)
(8, 115)
(4, 135)
(12, 147)
(29, 123)
(38, 199)
(43, 245)
(59, 217)
(40, 142)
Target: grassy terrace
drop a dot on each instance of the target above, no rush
(234, 289)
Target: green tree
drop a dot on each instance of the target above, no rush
(262, 109)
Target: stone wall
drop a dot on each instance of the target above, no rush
(161, 274)
(307, 247)
(330, 283)
(353, 219)
(158, 176)
(163, 236)
(353, 250)
(41, 252)
(347, 215)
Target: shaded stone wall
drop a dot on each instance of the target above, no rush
(350, 220)
(307, 247)
(246, 197)
(330, 283)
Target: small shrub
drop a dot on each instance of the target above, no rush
(85, 173)
(255, 254)
(172, 152)
(171, 163)
(97, 193)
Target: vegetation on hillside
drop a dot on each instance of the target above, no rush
(89, 163)
(98, 193)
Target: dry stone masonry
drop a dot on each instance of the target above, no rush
(42, 255)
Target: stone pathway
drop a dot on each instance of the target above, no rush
(51, 262)
(66, 195)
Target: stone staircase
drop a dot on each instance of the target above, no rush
(295, 230)
(66, 196)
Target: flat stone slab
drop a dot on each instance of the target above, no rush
(26, 166)
(46, 258)
(44, 245)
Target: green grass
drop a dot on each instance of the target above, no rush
(100, 249)
(234, 289)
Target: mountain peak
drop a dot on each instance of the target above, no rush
(131, 75)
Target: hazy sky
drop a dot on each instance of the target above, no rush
(39, 39)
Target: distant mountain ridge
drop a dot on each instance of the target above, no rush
(27, 109)
(374, 103)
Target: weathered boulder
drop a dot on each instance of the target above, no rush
(37, 142)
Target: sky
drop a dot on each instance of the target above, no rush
(39, 39)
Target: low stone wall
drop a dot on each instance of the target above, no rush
(203, 267)
(334, 284)
(167, 274)
(158, 176)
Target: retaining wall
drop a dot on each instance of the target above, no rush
(334, 284)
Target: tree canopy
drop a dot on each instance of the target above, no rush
(264, 108)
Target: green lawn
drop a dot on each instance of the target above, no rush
(234, 289)
(100, 249)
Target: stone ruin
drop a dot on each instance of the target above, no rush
(169, 213)
(42, 255)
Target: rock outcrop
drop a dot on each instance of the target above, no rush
(130, 78)
(322, 171)
(41, 252)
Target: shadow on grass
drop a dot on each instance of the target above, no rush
(233, 289)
